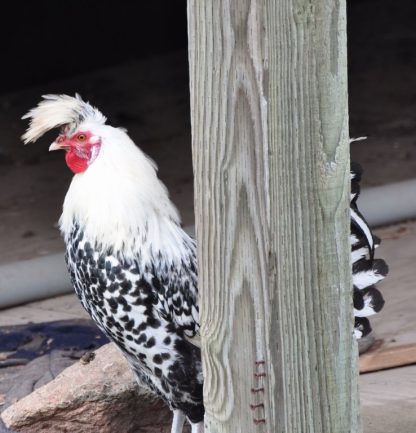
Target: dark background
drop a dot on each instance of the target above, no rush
(44, 41)
(47, 40)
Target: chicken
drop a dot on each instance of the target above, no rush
(132, 265)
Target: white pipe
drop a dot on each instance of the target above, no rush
(34, 279)
(388, 204)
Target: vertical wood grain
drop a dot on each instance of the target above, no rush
(269, 114)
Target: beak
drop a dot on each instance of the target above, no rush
(58, 146)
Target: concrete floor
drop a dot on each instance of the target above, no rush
(388, 401)
(389, 397)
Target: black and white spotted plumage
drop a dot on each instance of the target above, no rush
(366, 270)
(148, 310)
(135, 269)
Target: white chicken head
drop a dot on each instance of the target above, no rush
(79, 122)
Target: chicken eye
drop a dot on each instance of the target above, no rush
(81, 137)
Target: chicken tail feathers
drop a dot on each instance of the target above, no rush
(366, 270)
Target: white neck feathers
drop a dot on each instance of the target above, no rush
(120, 203)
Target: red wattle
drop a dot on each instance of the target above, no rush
(75, 163)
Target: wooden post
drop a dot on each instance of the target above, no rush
(269, 104)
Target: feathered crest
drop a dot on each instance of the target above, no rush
(58, 110)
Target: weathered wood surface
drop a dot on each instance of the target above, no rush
(271, 159)
(382, 357)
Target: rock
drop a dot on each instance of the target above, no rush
(99, 396)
